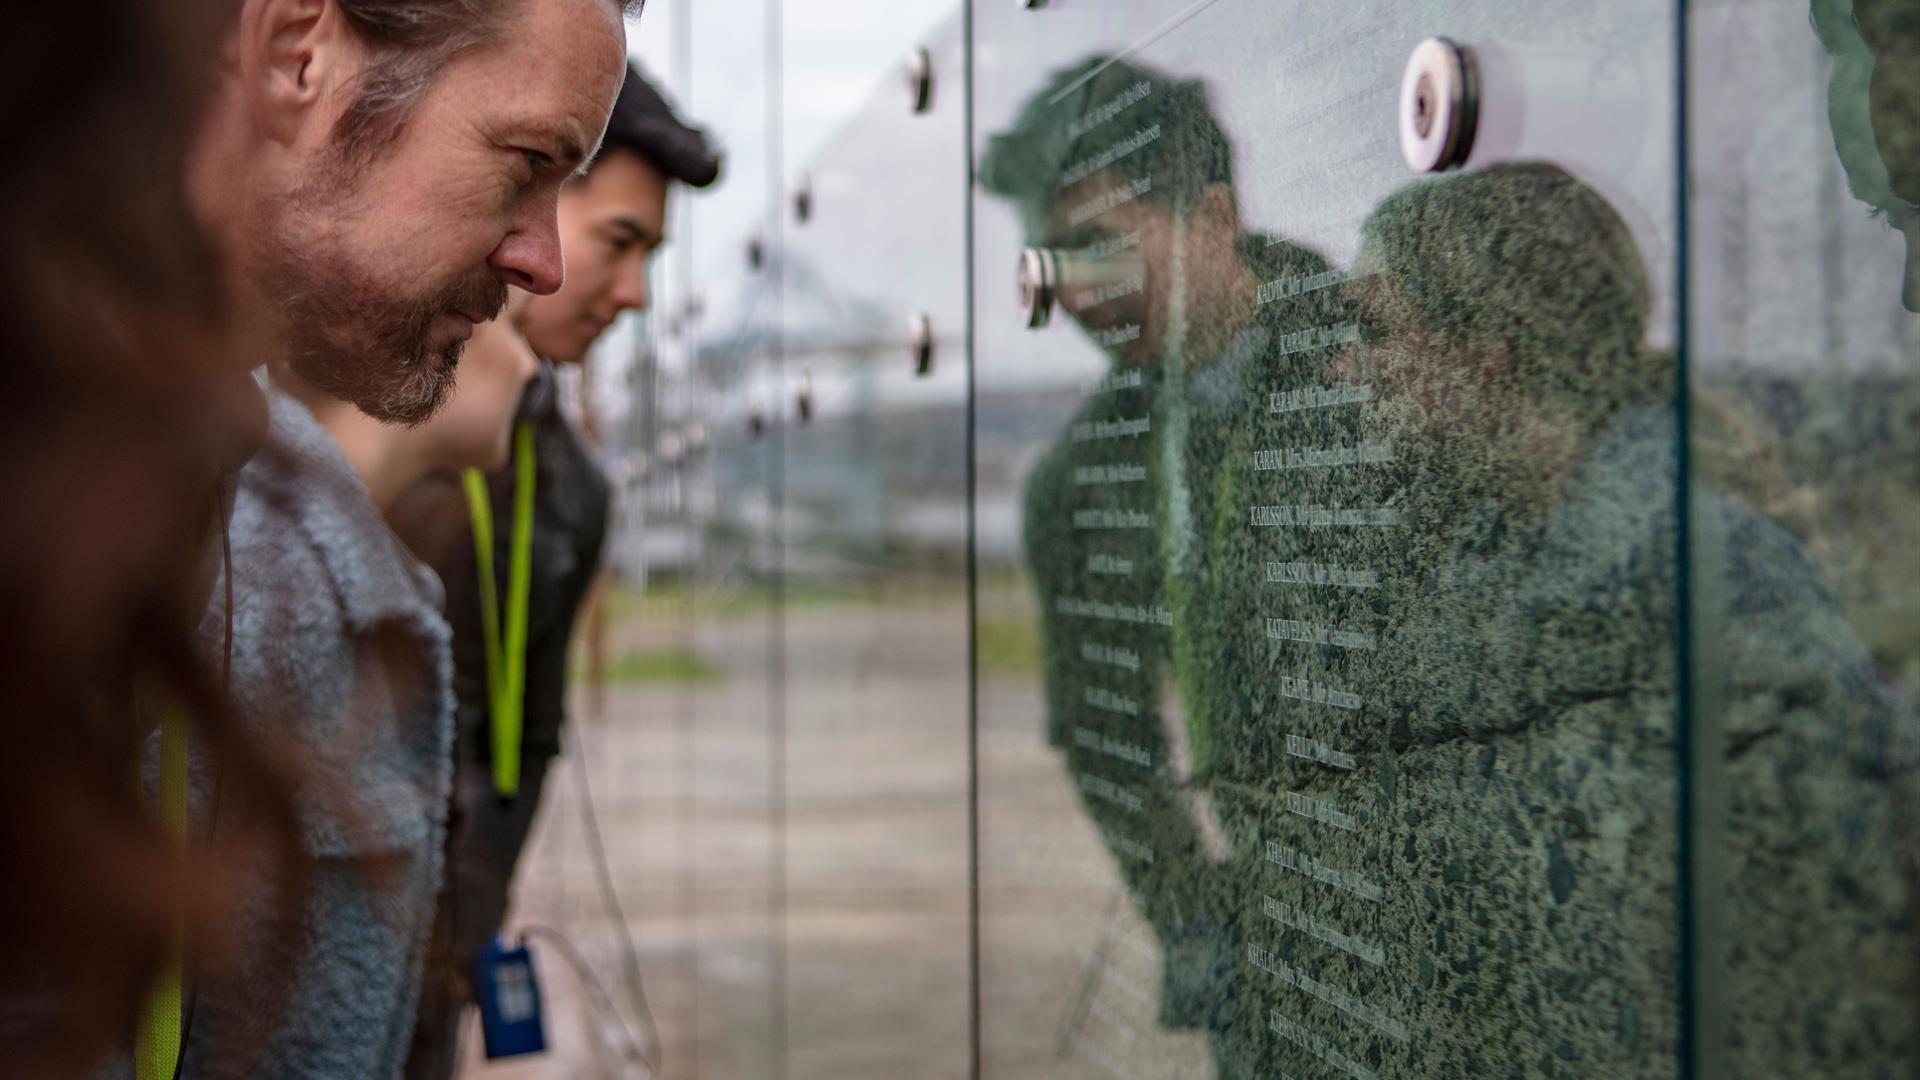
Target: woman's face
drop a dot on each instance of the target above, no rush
(475, 428)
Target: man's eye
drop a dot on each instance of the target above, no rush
(537, 162)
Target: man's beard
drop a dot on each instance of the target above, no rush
(352, 339)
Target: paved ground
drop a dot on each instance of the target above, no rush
(874, 912)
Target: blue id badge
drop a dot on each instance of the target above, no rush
(509, 1001)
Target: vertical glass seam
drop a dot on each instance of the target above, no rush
(776, 645)
(686, 730)
(1685, 749)
(975, 1063)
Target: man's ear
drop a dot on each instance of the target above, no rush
(287, 52)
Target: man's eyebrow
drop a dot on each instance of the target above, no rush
(566, 151)
(561, 140)
(573, 154)
(581, 156)
(636, 231)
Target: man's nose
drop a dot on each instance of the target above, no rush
(529, 257)
(630, 287)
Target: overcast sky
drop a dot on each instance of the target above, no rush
(837, 55)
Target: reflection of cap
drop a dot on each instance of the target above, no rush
(1064, 129)
(644, 124)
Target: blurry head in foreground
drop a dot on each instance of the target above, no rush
(376, 173)
(120, 411)
(614, 218)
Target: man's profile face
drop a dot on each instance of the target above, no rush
(611, 222)
(384, 266)
(1115, 281)
(1117, 276)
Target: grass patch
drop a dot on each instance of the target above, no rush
(1008, 645)
(671, 667)
(658, 601)
(672, 602)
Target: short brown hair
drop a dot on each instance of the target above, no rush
(412, 41)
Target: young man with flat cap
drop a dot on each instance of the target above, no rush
(511, 690)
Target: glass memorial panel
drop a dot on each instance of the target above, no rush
(873, 531)
(674, 666)
(1329, 691)
(720, 328)
(1804, 364)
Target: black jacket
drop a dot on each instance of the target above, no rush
(571, 501)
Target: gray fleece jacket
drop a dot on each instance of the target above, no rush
(341, 657)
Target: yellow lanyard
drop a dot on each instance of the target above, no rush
(506, 656)
(156, 1052)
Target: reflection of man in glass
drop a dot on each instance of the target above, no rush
(1409, 554)
(1128, 177)
(1873, 106)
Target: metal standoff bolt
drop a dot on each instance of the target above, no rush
(756, 421)
(671, 448)
(803, 199)
(756, 252)
(920, 79)
(920, 334)
(1439, 106)
(803, 401)
(1039, 285)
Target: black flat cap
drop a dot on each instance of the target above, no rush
(644, 124)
